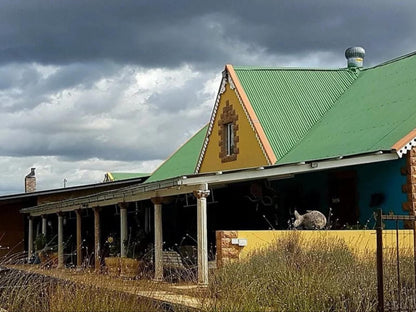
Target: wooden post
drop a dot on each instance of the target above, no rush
(30, 238)
(202, 238)
(380, 283)
(60, 241)
(97, 233)
(123, 229)
(158, 260)
(79, 237)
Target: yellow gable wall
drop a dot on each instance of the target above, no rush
(249, 153)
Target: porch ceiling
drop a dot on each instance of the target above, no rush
(285, 171)
(128, 194)
(188, 184)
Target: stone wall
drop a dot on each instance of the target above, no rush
(410, 187)
(226, 251)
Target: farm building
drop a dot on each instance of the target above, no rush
(278, 139)
(14, 225)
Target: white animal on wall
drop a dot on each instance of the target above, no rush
(311, 220)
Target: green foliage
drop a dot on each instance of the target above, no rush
(40, 242)
(113, 244)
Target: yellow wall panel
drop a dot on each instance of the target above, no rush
(360, 242)
(249, 153)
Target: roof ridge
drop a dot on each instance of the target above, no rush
(396, 59)
(265, 68)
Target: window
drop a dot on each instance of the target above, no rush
(228, 134)
(229, 139)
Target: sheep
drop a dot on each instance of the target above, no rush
(311, 220)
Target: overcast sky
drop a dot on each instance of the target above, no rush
(88, 87)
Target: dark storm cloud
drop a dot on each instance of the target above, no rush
(167, 33)
(98, 85)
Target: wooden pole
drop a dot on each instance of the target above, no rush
(60, 241)
(79, 237)
(97, 249)
(44, 225)
(380, 284)
(158, 239)
(30, 238)
(123, 229)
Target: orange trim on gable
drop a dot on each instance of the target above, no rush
(257, 126)
(405, 140)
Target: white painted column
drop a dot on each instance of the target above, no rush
(158, 239)
(97, 233)
(30, 238)
(60, 241)
(44, 225)
(79, 237)
(123, 229)
(202, 238)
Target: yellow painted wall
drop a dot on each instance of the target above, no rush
(361, 242)
(250, 153)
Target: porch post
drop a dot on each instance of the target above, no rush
(30, 238)
(44, 224)
(123, 229)
(60, 241)
(97, 262)
(158, 239)
(79, 237)
(202, 238)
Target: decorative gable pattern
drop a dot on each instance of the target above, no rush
(248, 150)
(228, 117)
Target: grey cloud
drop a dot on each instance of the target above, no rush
(167, 33)
(70, 116)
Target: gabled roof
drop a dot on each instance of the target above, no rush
(183, 161)
(289, 102)
(311, 114)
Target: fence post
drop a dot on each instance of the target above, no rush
(380, 285)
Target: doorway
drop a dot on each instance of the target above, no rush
(343, 198)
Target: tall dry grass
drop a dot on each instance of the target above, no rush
(294, 276)
(38, 288)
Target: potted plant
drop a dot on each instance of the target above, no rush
(39, 244)
(112, 260)
(131, 266)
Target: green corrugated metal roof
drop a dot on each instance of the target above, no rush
(183, 161)
(372, 115)
(317, 114)
(117, 176)
(289, 102)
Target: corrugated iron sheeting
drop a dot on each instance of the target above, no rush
(289, 102)
(372, 115)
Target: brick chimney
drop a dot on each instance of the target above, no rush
(30, 181)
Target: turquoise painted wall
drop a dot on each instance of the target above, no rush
(381, 178)
(379, 181)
